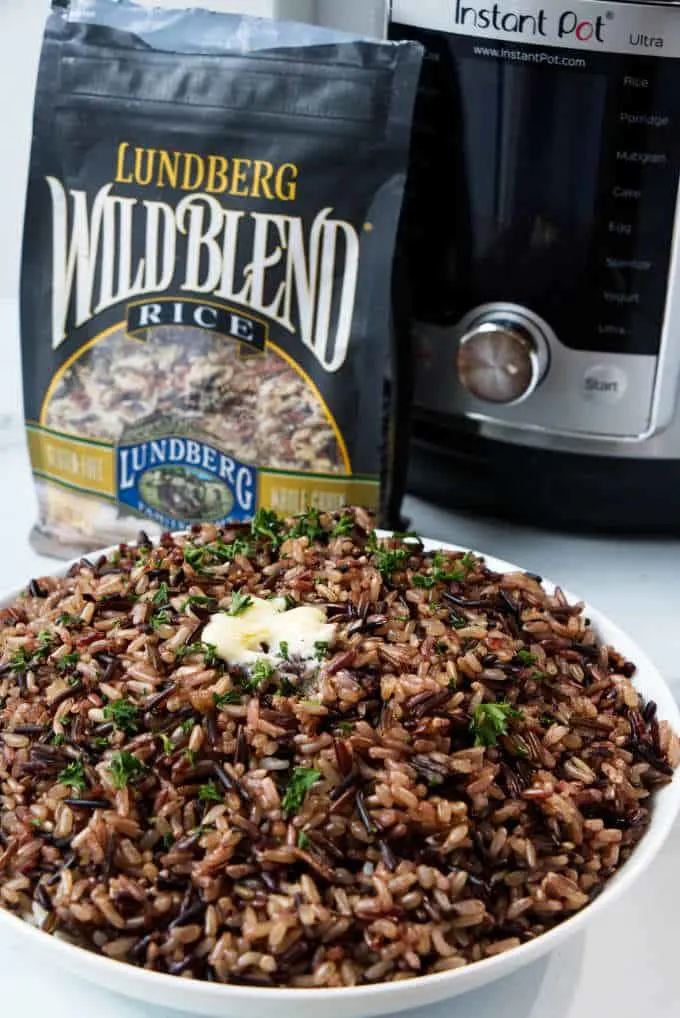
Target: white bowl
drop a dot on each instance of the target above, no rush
(203, 998)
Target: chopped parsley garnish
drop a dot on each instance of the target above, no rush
(344, 526)
(190, 757)
(187, 725)
(223, 700)
(208, 650)
(439, 573)
(195, 556)
(423, 582)
(267, 526)
(68, 621)
(388, 561)
(20, 660)
(303, 840)
(300, 783)
(228, 552)
(283, 650)
(372, 542)
(58, 739)
(125, 767)
(440, 647)
(198, 599)
(346, 727)
(167, 743)
(490, 720)
(457, 621)
(210, 792)
(519, 749)
(124, 714)
(68, 661)
(547, 720)
(261, 672)
(23, 659)
(167, 841)
(161, 618)
(468, 561)
(74, 776)
(100, 742)
(321, 649)
(308, 525)
(526, 657)
(240, 602)
(162, 595)
(46, 641)
(453, 683)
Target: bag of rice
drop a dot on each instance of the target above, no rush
(211, 217)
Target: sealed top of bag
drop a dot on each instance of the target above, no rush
(196, 30)
(200, 31)
(210, 222)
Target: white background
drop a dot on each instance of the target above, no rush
(21, 23)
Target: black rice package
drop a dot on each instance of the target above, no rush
(211, 218)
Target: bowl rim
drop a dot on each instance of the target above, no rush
(644, 854)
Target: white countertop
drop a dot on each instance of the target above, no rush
(626, 965)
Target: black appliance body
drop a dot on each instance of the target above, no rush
(544, 255)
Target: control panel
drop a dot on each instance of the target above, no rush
(503, 363)
(637, 210)
(542, 218)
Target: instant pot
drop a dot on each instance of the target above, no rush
(544, 259)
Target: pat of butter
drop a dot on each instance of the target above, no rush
(257, 633)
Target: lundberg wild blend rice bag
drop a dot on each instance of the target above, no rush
(211, 217)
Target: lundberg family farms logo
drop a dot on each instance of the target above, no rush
(301, 276)
(178, 481)
(566, 24)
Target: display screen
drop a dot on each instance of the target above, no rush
(552, 185)
(530, 190)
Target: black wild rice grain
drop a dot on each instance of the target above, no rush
(364, 815)
(188, 915)
(388, 855)
(88, 803)
(231, 784)
(347, 782)
(67, 694)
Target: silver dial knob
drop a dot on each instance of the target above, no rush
(502, 359)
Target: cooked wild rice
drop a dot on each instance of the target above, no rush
(465, 769)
